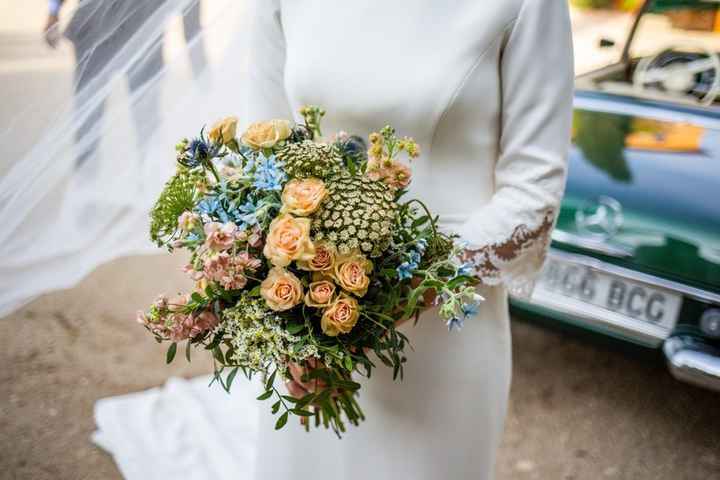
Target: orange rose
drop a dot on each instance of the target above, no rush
(281, 290)
(351, 273)
(340, 317)
(288, 239)
(323, 260)
(266, 134)
(303, 196)
(224, 130)
(320, 294)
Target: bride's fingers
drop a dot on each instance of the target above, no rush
(295, 389)
(297, 373)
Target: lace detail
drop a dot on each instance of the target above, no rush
(515, 261)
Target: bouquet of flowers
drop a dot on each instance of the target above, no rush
(305, 255)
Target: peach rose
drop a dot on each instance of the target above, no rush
(288, 239)
(340, 317)
(351, 273)
(323, 260)
(266, 134)
(303, 196)
(281, 289)
(320, 294)
(224, 130)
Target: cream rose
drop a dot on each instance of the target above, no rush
(288, 239)
(351, 273)
(224, 130)
(281, 289)
(320, 294)
(323, 260)
(303, 196)
(340, 317)
(266, 134)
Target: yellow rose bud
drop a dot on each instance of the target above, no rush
(288, 239)
(351, 273)
(224, 130)
(320, 294)
(340, 317)
(281, 290)
(266, 134)
(303, 196)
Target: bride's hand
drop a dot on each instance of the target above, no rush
(296, 386)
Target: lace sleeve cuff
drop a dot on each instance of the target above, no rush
(516, 259)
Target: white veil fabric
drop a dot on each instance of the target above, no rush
(84, 162)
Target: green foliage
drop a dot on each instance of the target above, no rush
(177, 197)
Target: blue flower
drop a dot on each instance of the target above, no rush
(269, 174)
(422, 245)
(405, 270)
(470, 309)
(247, 213)
(467, 269)
(455, 323)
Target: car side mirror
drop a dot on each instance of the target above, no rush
(606, 43)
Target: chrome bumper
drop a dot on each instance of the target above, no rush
(690, 360)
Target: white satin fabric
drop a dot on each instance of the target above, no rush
(486, 90)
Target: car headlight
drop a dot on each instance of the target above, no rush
(710, 322)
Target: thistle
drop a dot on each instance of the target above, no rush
(359, 213)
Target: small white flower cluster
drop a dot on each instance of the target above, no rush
(259, 341)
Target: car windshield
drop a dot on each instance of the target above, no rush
(677, 25)
(672, 55)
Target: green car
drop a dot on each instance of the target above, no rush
(636, 252)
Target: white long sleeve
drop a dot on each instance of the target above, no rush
(510, 235)
(266, 97)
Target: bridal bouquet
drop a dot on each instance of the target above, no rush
(305, 256)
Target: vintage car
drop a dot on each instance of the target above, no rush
(636, 252)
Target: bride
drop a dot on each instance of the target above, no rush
(486, 90)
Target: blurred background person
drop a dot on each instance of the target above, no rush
(96, 30)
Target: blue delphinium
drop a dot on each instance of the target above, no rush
(269, 174)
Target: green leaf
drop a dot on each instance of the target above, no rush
(348, 363)
(231, 377)
(188, 348)
(302, 413)
(290, 399)
(276, 407)
(255, 292)
(265, 395)
(281, 421)
(270, 381)
(295, 328)
(218, 354)
(196, 297)
(420, 221)
(171, 353)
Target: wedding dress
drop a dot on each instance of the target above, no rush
(484, 87)
(486, 90)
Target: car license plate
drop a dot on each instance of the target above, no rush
(612, 299)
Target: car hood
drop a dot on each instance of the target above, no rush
(649, 187)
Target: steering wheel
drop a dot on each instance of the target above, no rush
(679, 72)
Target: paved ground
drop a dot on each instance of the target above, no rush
(577, 411)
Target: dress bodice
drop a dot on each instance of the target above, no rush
(484, 87)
